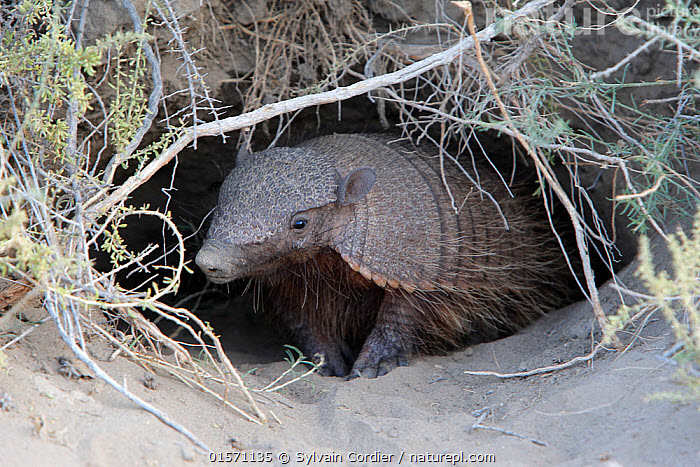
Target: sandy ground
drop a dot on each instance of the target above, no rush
(590, 414)
(586, 415)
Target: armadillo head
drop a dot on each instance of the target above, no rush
(277, 207)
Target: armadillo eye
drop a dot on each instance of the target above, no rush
(299, 223)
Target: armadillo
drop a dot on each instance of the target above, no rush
(371, 251)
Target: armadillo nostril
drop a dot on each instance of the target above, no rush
(206, 260)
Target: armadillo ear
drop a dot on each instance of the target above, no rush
(355, 185)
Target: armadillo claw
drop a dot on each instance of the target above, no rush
(332, 368)
(368, 369)
(335, 357)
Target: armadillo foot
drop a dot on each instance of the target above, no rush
(335, 358)
(385, 349)
(368, 369)
(337, 355)
(333, 364)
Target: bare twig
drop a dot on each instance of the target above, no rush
(24, 333)
(631, 56)
(546, 171)
(642, 194)
(659, 32)
(53, 309)
(485, 412)
(541, 370)
(186, 136)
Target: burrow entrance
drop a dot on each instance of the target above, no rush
(189, 186)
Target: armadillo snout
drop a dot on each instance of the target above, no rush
(213, 262)
(207, 261)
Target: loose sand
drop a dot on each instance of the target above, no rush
(590, 414)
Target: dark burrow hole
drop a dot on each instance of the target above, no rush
(189, 187)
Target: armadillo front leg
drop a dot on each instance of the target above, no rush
(335, 354)
(391, 340)
(302, 319)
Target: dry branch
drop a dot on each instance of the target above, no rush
(186, 136)
(70, 292)
(543, 169)
(85, 358)
(542, 370)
